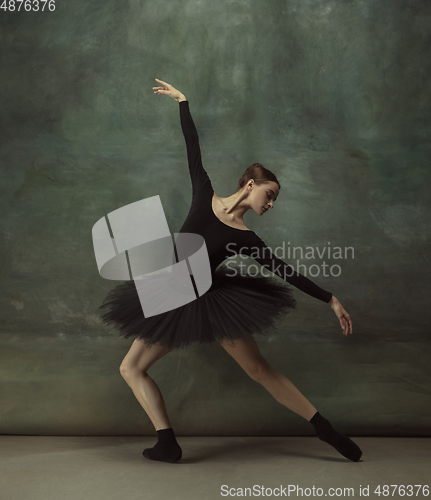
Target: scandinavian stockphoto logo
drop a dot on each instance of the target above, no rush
(134, 242)
(276, 265)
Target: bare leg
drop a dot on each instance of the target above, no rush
(247, 354)
(134, 371)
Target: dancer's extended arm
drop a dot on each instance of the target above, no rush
(198, 174)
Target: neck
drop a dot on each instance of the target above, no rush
(234, 205)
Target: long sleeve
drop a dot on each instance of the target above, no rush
(198, 174)
(263, 255)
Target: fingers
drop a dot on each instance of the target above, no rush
(346, 324)
(159, 90)
(161, 81)
(343, 325)
(162, 90)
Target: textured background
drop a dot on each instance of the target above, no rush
(332, 96)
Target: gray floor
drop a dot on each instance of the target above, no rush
(105, 468)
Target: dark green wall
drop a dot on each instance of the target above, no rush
(333, 97)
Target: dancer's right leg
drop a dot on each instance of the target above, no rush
(134, 371)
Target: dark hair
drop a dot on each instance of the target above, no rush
(259, 174)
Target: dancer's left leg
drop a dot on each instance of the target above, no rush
(247, 354)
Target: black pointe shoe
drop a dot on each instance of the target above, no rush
(164, 451)
(343, 444)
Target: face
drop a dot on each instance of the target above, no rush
(262, 197)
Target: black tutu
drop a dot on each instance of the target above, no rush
(234, 307)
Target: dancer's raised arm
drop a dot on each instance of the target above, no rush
(198, 174)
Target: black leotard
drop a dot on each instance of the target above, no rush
(202, 220)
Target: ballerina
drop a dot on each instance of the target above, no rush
(236, 308)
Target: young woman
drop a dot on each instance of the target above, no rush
(237, 306)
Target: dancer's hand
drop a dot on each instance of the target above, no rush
(342, 315)
(167, 89)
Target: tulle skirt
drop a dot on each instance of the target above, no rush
(234, 307)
